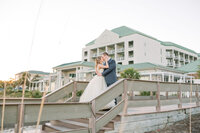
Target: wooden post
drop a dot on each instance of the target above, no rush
(124, 97)
(197, 95)
(74, 91)
(179, 96)
(131, 94)
(158, 97)
(3, 108)
(20, 123)
(167, 95)
(92, 120)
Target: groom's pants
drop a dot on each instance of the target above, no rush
(115, 98)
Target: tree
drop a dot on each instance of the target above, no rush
(25, 75)
(36, 78)
(130, 73)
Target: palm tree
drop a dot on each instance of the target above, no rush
(25, 75)
(36, 78)
(130, 73)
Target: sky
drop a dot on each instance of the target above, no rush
(41, 34)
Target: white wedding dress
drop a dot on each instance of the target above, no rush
(95, 87)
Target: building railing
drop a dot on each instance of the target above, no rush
(111, 51)
(170, 64)
(94, 55)
(169, 55)
(120, 50)
(176, 57)
(186, 60)
(181, 58)
(130, 56)
(120, 58)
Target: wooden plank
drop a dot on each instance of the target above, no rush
(140, 85)
(169, 102)
(108, 116)
(164, 86)
(142, 103)
(60, 93)
(10, 116)
(185, 87)
(187, 100)
(18, 100)
(81, 85)
(51, 111)
(113, 92)
(85, 130)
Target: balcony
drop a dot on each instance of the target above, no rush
(170, 64)
(110, 52)
(100, 53)
(120, 58)
(130, 56)
(94, 55)
(181, 59)
(176, 65)
(169, 55)
(120, 50)
(176, 57)
(186, 60)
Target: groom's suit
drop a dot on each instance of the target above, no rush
(110, 73)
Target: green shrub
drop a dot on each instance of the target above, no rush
(79, 93)
(36, 94)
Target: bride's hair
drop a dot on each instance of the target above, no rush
(97, 61)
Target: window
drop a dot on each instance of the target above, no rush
(145, 44)
(131, 62)
(145, 53)
(161, 51)
(119, 63)
(130, 54)
(85, 59)
(161, 59)
(85, 53)
(130, 44)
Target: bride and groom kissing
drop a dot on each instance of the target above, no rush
(105, 68)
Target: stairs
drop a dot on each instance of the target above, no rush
(80, 125)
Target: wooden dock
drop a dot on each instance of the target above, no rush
(67, 115)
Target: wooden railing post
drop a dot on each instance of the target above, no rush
(197, 95)
(125, 97)
(20, 124)
(179, 96)
(92, 120)
(158, 97)
(74, 91)
(167, 95)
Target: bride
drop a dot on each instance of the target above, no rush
(98, 84)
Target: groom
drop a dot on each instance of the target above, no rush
(109, 73)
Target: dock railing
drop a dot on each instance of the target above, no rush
(123, 88)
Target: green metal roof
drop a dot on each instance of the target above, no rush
(124, 31)
(147, 65)
(191, 67)
(178, 46)
(83, 63)
(38, 72)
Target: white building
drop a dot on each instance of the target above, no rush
(128, 46)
